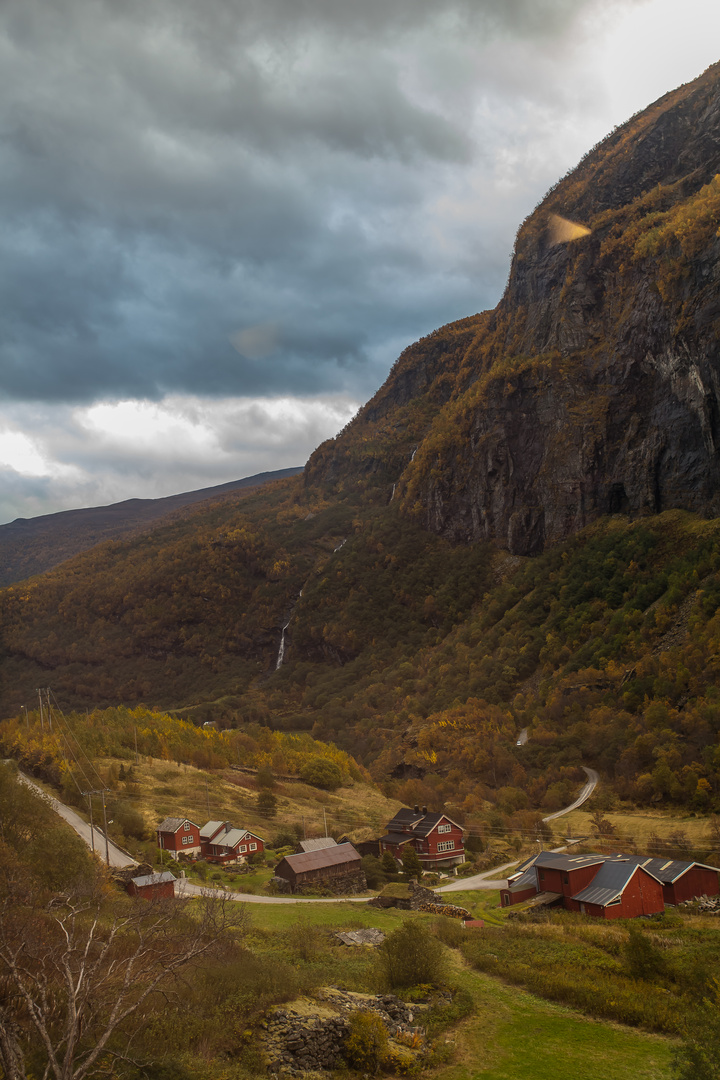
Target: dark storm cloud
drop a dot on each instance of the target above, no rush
(176, 175)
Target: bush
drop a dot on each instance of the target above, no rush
(266, 804)
(367, 1042)
(322, 773)
(411, 863)
(388, 863)
(373, 870)
(450, 931)
(411, 955)
(643, 959)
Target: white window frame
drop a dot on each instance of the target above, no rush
(446, 845)
(253, 847)
(243, 849)
(445, 828)
(187, 826)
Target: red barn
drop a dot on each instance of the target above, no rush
(153, 886)
(436, 838)
(176, 835)
(683, 880)
(621, 889)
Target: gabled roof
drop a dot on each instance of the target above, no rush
(669, 870)
(211, 828)
(551, 860)
(526, 880)
(316, 860)
(153, 879)
(317, 843)
(404, 819)
(421, 824)
(610, 882)
(172, 824)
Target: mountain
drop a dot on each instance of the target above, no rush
(30, 546)
(518, 531)
(594, 386)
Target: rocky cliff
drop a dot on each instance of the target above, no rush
(593, 387)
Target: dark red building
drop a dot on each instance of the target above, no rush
(436, 838)
(153, 886)
(609, 886)
(229, 844)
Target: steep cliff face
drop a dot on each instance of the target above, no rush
(594, 386)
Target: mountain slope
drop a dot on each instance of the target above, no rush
(30, 546)
(594, 386)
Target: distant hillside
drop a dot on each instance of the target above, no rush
(30, 546)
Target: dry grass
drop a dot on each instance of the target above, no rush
(640, 825)
(161, 788)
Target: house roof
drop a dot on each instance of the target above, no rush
(172, 824)
(421, 824)
(152, 879)
(669, 870)
(550, 860)
(396, 838)
(610, 882)
(316, 860)
(211, 828)
(317, 843)
(526, 880)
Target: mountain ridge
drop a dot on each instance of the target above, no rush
(30, 546)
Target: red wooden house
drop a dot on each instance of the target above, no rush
(153, 886)
(208, 833)
(436, 838)
(178, 835)
(683, 880)
(232, 845)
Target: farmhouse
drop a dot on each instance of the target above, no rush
(153, 886)
(608, 886)
(436, 838)
(338, 868)
(228, 844)
(176, 835)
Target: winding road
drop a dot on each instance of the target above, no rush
(119, 858)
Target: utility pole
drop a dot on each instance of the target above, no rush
(27, 722)
(207, 798)
(325, 820)
(107, 846)
(49, 708)
(42, 722)
(304, 832)
(92, 830)
(137, 760)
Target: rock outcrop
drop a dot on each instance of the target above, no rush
(594, 386)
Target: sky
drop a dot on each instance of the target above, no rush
(223, 221)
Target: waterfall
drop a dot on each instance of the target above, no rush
(341, 544)
(281, 651)
(392, 494)
(412, 456)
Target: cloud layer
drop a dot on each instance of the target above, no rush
(268, 199)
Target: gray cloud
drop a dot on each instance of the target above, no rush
(177, 174)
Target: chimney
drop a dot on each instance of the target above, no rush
(424, 809)
(416, 808)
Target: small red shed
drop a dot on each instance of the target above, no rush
(153, 886)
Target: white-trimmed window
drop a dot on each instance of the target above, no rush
(187, 826)
(253, 847)
(243, 849)
(446, 845)
(445, 828)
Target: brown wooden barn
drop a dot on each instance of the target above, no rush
(153, 886)
(337, 868)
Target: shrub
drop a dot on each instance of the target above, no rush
(411, 863)
(367, 1042)
(643, 959)
(373, 870)
(450, 931)
(322, 773)
(266, 804)
(411, 955)
(388, 863)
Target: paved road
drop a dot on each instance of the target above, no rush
(186, 888)
(117, 856)
(592, 779)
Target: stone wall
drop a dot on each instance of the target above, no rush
(348, 883)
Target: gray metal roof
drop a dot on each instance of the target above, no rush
(669, 870)
(172, 824)
(551, 860)
(610, 882)
(317, 843)
(526, 880)
(153, 879)
(316, 860)
(210, 828)
(396, 838)
(404, 819)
